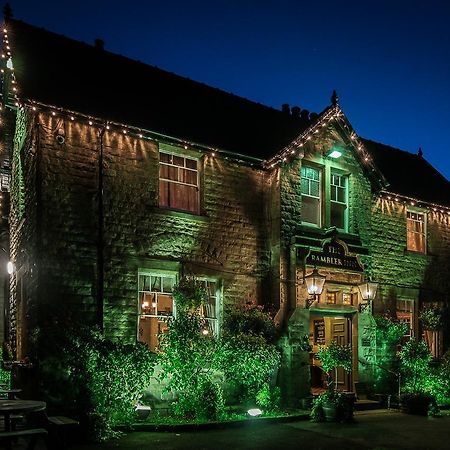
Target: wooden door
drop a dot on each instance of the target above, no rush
(340, 334)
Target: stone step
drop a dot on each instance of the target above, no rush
(365, 405)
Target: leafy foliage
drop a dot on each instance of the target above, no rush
(329, 397)
(432, 318)
(189, 294)
(415, 359)
(269, 398)
(106, 378)
(250, 319)
(249, 362)
(389, 334)
(335, 355)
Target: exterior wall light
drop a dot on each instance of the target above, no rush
(314, 284)
(10, 267)
(368, 291)
(254, 412)
(335, 154)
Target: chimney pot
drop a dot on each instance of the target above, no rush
(99, 44)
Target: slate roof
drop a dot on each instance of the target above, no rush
(409, 174)
(59, 71)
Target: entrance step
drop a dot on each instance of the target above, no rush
(365, 405)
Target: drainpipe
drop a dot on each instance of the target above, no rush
(100, 238)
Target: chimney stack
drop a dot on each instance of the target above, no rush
(99, 44)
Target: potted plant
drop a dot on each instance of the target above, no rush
(333, 405)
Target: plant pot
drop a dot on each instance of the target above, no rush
(330, 411)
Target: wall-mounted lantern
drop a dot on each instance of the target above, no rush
(368, 291)
(314, 284)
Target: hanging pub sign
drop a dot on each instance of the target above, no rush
(333, 254)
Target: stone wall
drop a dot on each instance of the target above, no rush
(228, 240)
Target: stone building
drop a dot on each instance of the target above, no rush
(125, 177)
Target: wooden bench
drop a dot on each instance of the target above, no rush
(34, 433)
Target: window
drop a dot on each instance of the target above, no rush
(339, 201)
(178, 183)
(331, 297)
(211, 308)
(311, 196)
(347, 298)
(415, 232)
(155, 306)
(405, 310)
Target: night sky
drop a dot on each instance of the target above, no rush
(389, 60)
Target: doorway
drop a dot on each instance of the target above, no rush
(324, 330)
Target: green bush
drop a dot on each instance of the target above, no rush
(415, 359)
(249, 362)
(250, 319)
(389, 334)
(269, 397)
(106, 379)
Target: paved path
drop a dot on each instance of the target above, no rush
(380, 430)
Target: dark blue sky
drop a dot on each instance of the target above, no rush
(388, 60)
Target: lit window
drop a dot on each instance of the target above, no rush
(331, 297)
(210, 311)
(178, 183)
(339, 201)
(347, 298)
(415, 232)
(155, 306)
(311, 196)
(405, 310)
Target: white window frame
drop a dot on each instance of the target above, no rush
(213, 321)
(410, 218)
(178, 168)
(160, 317)
(345, 178)
(406, 315)
(319, 198)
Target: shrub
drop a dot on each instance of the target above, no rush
(389, 334)
(106, 379)
(250, 319)
(415, 361)
(269, 397)
(249, 362)
(417, 403)
(431, 318)
(334, 356)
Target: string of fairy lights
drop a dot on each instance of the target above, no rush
(287, 154)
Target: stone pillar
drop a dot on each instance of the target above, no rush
(295, 373)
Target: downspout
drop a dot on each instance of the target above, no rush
(100, 238)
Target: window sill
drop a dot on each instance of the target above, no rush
(180, 214)
(416, 253)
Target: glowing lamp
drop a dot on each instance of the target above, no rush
(254, 412)
(368, 290)
(205, 332)
(10, 267)
(314, 284)
(335, 154)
